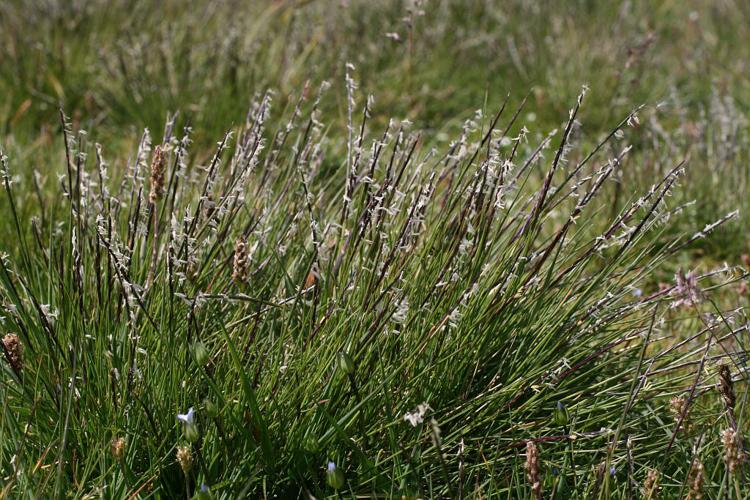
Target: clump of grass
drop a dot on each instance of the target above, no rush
(302, 315)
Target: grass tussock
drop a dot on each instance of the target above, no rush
(415, 324)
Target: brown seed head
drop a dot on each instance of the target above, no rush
(732, 454)
(532, 469)
(649, 485)
(117, 447)
(13, 351)
(239, 268)
(726, 387)
(185, 458)
(678, 405)
(157, 175)
(696, 481)
(599, 476)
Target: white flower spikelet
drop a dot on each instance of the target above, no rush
(417, 416)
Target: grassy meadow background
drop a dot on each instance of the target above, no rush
(427, 249)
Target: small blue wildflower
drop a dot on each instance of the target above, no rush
(187, 418)
(204, 493)
(190, 428)
(334, 476)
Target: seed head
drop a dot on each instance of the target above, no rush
(599, 479)
(117, 447)
(686, 290)
(678, 405)
(649, 485)
(732, 454)
(696, 481)
(239, 268)
(532, 469)
(417, 416)
(726, 387)
(13, 351)
(185, 458)
(157, 175)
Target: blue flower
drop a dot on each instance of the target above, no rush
(204, 493)
(188, 418)
(334, 476)
(612, 471)
(191, 428)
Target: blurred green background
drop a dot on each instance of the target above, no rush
(119, 66)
